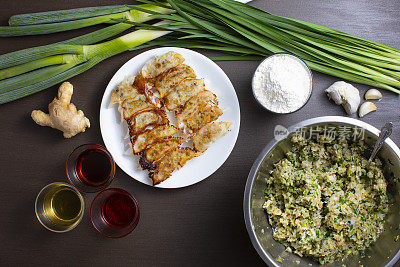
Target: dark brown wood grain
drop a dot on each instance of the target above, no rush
(201, 225)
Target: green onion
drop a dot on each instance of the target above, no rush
(99, 35)
(324, 49)
(59, 23)
(240, 31)
(86, 57)
(30, 54)
(34, 76)
(31, 70)
(64, 15)
(33, 65)
(7, 31)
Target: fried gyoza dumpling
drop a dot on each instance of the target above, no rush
(181, 93)
(200, 118)
(159, 64)
(158, 150)
(140, 82)
(171, 162)
(138, 122)
(208, 134)
(124, 91)
(152, 98)
(141, 141)
(172, 77)
(145, 86)
(131, 106)
(201, 99)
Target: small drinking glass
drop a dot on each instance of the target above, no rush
(59, 207)
(114, 213)
(90, 168)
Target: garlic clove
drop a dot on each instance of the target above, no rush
(366, 108)
(346, 95)
(373, 94)
(348, 107)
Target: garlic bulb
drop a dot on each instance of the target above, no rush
(366, 108)
(373, 94)
(346, 95)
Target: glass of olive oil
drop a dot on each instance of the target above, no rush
(59, 207)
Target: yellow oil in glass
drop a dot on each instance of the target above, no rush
(63, 207)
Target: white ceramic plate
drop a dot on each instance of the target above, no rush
(113, 130)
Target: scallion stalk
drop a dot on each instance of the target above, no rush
(64, 15)
(239, 30)
(33, 65)
(56, 26)
(86, 57)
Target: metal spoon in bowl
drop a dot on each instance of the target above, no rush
(386, 131)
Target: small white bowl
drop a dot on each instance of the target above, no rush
(305, 66)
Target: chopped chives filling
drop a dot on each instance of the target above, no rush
(323, 203)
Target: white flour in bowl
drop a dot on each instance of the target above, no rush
(282, 83)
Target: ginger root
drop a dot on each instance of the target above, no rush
(63, 115)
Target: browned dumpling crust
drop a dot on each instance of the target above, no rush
(158, 150)
(140, 82)
(172, 77)
(123, 92)
(201, 99)
(159, 64)
(171, 162)
(132, 106)
(181, 93)
(145, 86)
(200, 118)
(166, 84)
(141, 141)
(140, 121)
(209, 134)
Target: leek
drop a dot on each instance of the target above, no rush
(57, 21)
(64, 15)
(51, 61)
(84, 58)
(31, 70)
(238, 30)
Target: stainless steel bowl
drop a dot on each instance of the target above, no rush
(385, 252)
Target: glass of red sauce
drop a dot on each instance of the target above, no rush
(114, 213)
(90, 168)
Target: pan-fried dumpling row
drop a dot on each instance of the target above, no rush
(137, 107)
(165, 81)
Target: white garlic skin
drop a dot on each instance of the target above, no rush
(346, 95)
(365, 108)
(373, 94)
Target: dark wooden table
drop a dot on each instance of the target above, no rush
(196, 226)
